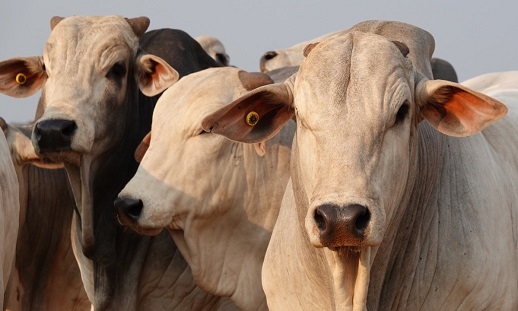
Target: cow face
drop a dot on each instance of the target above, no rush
(357, 101)
(89, 68)
(191, 172)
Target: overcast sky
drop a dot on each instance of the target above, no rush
(475, 36)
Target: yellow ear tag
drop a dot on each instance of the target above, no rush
(252, 118)
(21, 78)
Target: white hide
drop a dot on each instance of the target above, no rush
(218, 198)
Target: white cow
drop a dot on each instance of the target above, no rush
(214, 48)
(219, 199)
(289, 57)
(386, 211)
(9, 214)
(92, 114)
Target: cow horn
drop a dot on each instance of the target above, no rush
(3, 125)
(402, 47)
(54, 21)
(309, 47)
(139, 25)
(253, 80)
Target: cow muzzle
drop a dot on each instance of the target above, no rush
(342, 226)
(129, 212)
(265, 58)
(53, 135)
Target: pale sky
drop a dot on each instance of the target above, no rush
(475, 36)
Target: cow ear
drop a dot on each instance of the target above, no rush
(456, 110)
(142, 148)
(256, 116)
(155, 75)
(20, 146)
(22, 77)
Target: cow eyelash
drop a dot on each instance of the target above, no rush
(117, 71)
(402, 112)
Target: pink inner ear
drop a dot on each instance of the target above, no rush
(462, 112)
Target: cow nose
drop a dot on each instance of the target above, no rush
(54, 134)
(128, 207)
(341, 226)
(266, 56)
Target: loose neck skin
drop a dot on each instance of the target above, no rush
(356, 279)
(240, 230)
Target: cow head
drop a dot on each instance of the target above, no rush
(357, 100)
(215, 49)
(89, 74)
(188, 169)
(88, 69)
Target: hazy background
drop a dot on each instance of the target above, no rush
(475, 36)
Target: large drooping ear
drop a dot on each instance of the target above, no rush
(21, 148)
(256, 116)
(142, 148)
(456, 110)
(155, 75)
(139, 25)
(22, 76)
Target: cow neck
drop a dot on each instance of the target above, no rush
(245, 226)
(49, 259)
(398, 255)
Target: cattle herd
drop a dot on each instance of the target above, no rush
(353, 172)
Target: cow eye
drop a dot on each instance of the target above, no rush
(117, 71)
(202, 132)
(402, 112)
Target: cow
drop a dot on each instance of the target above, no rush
(289, 57)
(91, 117)
(208, 191)
(443, 70)
(384, 210)
(45, 274)
(214, 48)
(293, 56)
(9, 214)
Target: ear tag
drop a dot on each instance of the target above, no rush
(21, 78)
(252, 118)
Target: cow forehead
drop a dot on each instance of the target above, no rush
(75, 35)
(194, 97)
(348, 67)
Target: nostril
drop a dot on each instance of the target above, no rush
(269, 55)
(130, 207)
(362, 221)
(319, 220)
(69, 128)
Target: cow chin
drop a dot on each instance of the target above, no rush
(135, 226)
(65, 156)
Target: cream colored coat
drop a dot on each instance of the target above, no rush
(441, 225)
(218, 198)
